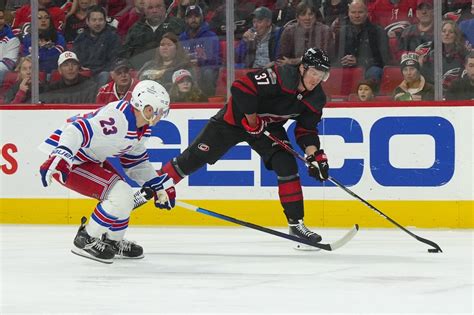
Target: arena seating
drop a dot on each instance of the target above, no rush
(342, 82)
(391, 78)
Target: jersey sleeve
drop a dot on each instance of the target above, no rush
(137, 165)
(247, 90)
(306, 131)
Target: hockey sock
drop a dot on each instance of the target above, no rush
(291, 198)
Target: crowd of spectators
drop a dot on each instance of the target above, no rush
(97, 50)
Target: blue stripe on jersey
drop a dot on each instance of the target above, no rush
(51, 142)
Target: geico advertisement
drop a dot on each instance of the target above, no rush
(398, 153)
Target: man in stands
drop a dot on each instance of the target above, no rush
(361, 43)
(463, 88)
(202, 44)
(420, 33)
(9, 47)
(72, 87)
(97, 47)
(414, 86)
(145, 35)
(121, 85)
(258, 47)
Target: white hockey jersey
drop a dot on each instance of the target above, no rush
(111, 131)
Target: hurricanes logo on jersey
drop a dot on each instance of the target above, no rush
(203, 147)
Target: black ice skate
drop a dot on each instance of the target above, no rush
(92, 247)
(297, 228)
(125, 249)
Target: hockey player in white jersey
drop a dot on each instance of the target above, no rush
(77, 160)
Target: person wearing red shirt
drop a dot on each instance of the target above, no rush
(387, 12)
(121, 85)
(23, 14)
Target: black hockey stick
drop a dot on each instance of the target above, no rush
(141, 197)
(353, 194)
(329, 247)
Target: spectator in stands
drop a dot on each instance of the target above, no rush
(413, 87)
(115, 8)
(72, 88)
(463, 88)
(145, 35)
(302, 34)
(259, 44)
(334, 9)
(76, 22)
(202, 46)
(366, 90)
(121, 85)
(20, 92)
(457, 10)
(23, 15)
(388, 12)
(98, 46)
(9, 47)
(170, 57)
(185, 89)
(242, 21)
(420, 33)
(453, 56)
(126, 21)
(361, 43)
(45, 23)
(467, 28)
(178, 8)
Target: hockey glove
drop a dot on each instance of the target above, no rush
(165, 193)
(318, 165)
(256, 131)
(59, 162)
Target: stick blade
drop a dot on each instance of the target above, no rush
(345, 239)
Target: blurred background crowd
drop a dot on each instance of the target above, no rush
(95, 51)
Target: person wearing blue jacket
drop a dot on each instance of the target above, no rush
(202, 45)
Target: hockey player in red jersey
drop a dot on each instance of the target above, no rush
(77, 159)
(265, 101)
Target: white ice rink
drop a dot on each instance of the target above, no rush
(237, 270)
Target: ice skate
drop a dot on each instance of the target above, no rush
(125, 249)
(92, 247)
(297, 228)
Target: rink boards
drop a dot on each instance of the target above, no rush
(414, 163)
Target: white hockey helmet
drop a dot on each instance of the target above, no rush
(148, 92)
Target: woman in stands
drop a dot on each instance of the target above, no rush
(185, 89)
(20, 92)
(454, 53)
(170, 57)
(51, 42)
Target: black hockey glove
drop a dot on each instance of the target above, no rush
(318, 165)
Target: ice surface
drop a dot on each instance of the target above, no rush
(237, 270)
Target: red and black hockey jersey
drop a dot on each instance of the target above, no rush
(272, 94)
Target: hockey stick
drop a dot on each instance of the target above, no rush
(141, 197)
(329, 247)
(353, 194)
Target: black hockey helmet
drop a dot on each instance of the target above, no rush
(317, 58)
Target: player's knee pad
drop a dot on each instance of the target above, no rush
(284, 164)
(120, 199)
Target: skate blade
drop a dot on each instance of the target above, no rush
(306, 248)
(83, 253)
(126, 257)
